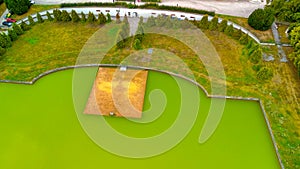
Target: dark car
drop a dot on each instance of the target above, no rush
(7, 23)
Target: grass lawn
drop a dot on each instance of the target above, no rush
(2, 8)
(263, 36)
(281, 30)
(43, 130)
(45, 47)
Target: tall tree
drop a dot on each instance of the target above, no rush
(18, 6)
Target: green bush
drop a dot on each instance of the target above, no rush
(229, 30)
(204, 23)
(75, 17)
(244, 39)
(83, 17)
(18, 7)
(30, 20)
(256, 56)
(151, 22)
(101, 19)
(91, 18)
(261, 19)
(17, 29)
(118, 20)
(108, 17)
(2, 51)
(214, 24)
(65, 16)
(50, 18)
(237, 34)
(264, 73)
(5, 41)
(24, 26)
(39, 18)
(137, 44)
(57, 15)
(12, 35)
(120, 40)
(223, 25)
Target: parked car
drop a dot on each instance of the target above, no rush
(7, 23)
(10, 20)
(31, 2)
(7, 15)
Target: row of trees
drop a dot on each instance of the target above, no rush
(123, 33)
(7, 39)
(295, 41)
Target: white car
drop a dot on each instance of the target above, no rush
(31, 2)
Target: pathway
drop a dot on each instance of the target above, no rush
(278, 43)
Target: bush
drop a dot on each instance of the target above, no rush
(18, 7)
(204, 24)
(229, 30)
(118, 20)
(75, 17)
(120, 40)
(214, 24)
(91, 18)
(39, 18)
(223, 25)
(49, 16)
(150, 22)
(137, 44)
(244, 39)
(264, 74)
(65, 17)
(18, 29)
(83, 17)
(57, 15)
(256, 56)
(108, 17)
(139, 33)
(237, 34)
(12, 35)
(101, 18)
(261, 19)
(5, 41)
(30, 20)
(24, 26)
(2, 51)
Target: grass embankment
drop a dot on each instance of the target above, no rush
(263, 36)
(2, 8)
(44, 47)
(283, 36)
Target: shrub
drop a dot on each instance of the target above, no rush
(137, 44)
(214, 24)
(39, 18)
(50, 18)
(185, 24)
(75, 17)
(264, 73)
(5, 41)
(57, 15)
(120, 41)
(139, 33)
(65, 17)
(12, 35)
(2, 51)
(244, 39)
(18, 29)
(108, 17)
(261, 19)
(150, 22)
(229, 30)
(118, 20)
(256, 56)
(30, 20)
(223, 25)
(18, 7)
(24, 26)
(237, 34)
(160, 21)
(101, 18)
(91, 18)
(204, 24)
(83, 17)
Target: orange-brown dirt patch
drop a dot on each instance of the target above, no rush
(119, 92)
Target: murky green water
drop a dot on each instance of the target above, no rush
(39, 129)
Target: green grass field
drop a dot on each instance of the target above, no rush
(40, 129)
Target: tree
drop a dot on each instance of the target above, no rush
(24, 26)
(65, 17)
(214, 23)
(229, 30)
(108, 17)
(137, 44)
(256, 56)
(83, 17)
(223, 25)
(244, 39)
(39, 18)
(57, 15)
(160, 21)
(204, 24)
(264, 73)
(139, 33)
(185, 24)
(5, 41)
(101, 18)
(120, 40)
(91, 18)
(261, 19)
(30, 20)
(118, 20)
(50, 18)
(12, 35)
(75, 17)
(151, 22)
(18, 29)
(18, 7)
(168, 23)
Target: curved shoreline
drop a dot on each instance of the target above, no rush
(172, 74)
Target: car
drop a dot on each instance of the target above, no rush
(7, 23)
(7, 15)
(10, 20)
(31, 2)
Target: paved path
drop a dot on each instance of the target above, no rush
(242, 8)
(278, 43)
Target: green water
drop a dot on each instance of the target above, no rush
(39, 129)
